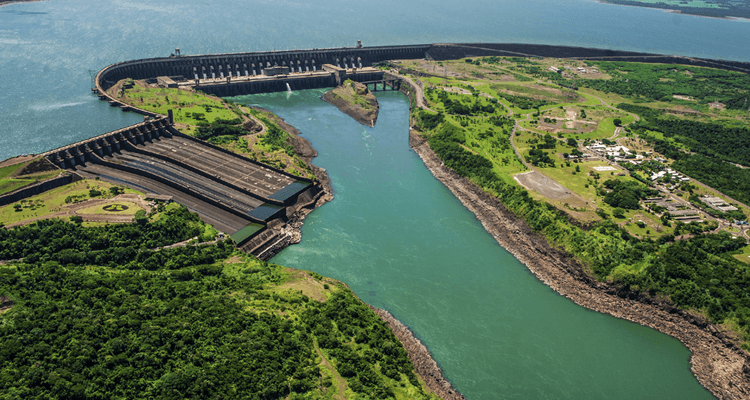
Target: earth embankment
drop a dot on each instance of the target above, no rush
(356, 101)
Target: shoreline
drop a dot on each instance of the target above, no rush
(718, 364)
(426, 366)
(7, 3)
(676, 11)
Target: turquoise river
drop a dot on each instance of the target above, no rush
(404, 243)
(393, 232)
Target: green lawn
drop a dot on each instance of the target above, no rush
(189, 107)
(52, 201)
(744, 256)
(132, 208)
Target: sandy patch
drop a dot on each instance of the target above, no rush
(542, 184)
(717, 105)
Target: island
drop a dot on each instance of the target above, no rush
(356, 101)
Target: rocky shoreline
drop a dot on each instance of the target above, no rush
(426, 367)
(424, 364)
(717, 362)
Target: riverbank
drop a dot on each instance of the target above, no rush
(426, 367)
(424, 364)
(717, 362)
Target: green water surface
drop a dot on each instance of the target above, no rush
(404, 243)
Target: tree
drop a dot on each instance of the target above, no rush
(617, 122)
(572, 142)
(140, 217)
(618, 213)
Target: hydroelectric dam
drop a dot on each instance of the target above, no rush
(249, 200)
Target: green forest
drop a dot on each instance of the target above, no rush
(95, 314)
(650, 82)
(703, 150)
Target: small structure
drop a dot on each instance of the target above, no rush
(718, 204)
(158, 197)
(276, 70)
(165, 81)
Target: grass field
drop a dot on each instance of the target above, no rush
(10, 180)
(53, 201)
(189, 108)
(132, 208)
(744, 256)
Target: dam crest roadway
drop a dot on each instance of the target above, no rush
(249, 200)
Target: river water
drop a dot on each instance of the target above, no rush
(404, 243)
(393, 233)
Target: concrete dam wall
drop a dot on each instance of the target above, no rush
(222, 74)
(252, 64)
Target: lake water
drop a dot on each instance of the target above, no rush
(393, 233)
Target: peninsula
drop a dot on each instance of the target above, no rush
(356, 101)
(709, 8)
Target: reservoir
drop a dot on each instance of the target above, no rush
(404, 243)
(393, 233)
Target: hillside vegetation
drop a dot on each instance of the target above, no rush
(92, 313)
(606, 222)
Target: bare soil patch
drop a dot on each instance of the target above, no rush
(543, 185)
(310, 287)
(5, 303)
(16, 160)
(717, 105)
(683, 110)
(454, 89)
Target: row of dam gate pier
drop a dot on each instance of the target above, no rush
(249, 200)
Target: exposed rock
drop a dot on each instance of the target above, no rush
(356, 101)
(717, 362)
(423, 362)
(5, 303)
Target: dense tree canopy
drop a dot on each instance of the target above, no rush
(96, 315)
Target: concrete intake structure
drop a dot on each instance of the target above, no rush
(232, 73)
(233, 193)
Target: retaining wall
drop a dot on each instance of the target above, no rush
(36, 188)
(462, 50)
(78, 153)
(251, 63)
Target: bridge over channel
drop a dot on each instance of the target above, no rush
(237, 195)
